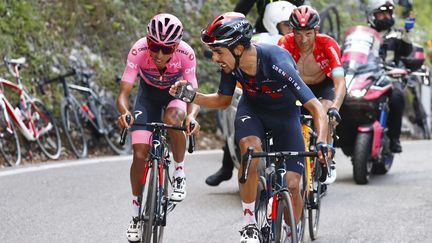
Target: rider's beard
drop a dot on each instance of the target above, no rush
(383, 24)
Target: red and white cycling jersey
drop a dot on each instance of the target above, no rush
(326, 51)
(181, 66)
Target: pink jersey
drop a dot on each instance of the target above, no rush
(181, 66)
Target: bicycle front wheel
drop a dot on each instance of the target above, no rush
(49, 137)
(73, 128)
(285, 218)
(149, 203)
(9, 141)
(314, 201)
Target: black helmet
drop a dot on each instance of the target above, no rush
(304, 18)
(228, 30)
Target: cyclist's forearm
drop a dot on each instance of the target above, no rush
(214, 100)
(122, 101)
(320, 119)
(340, 91)
(193, 109)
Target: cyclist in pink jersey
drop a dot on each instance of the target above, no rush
(161, 58)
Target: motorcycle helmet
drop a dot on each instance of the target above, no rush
(375, 6)
(275, 13)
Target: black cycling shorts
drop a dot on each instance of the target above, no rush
(323, 90)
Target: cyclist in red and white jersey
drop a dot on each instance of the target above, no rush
(161, 58)
(319, 63)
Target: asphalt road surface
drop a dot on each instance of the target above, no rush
(89, 201)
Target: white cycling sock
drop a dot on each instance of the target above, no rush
(248, 213)
(135, 206)
(179, 170)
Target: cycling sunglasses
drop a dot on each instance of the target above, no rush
(157, 47)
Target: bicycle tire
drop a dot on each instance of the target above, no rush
(314, 201)
(148, 216)
(9, 141)
(162, 201)
(302, 221)
(50, 141)
(112, 134)
(73, 129)
(285, 201)
(261, 213)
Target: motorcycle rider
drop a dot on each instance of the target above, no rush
(397, 44)
(244, 6)
(275, 20)
(318, 60)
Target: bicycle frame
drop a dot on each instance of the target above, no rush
(29, 131)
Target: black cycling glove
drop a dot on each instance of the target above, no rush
(185, 93)
(334, 114)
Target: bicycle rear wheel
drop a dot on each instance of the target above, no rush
(9, 141)
(73, 128)
(285, 212)
(109, 115)
(49, 140)
(148, 203)
(314, 201)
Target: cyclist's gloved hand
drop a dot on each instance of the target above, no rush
(334, 115)
(409, 23)
(184, 91)
(325, 149)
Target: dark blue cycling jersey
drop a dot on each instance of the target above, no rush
(276, 85)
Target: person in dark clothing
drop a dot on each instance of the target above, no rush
(397, 44)
(244, 6)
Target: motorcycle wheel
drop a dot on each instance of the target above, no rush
(362, 163)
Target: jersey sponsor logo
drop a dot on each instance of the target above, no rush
(191, 57)
(131, 64)
(175, 65)
(244, 118)
(137, 113)
(189, 70)
(182, 51)
(134, 52)
(142, 48)
(286, 76)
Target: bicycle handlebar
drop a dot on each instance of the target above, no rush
(161, 126)
(41, 83)
(247, 157)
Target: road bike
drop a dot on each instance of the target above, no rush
(82, 105)
(154, 201)
(30, 116)
(272, 190)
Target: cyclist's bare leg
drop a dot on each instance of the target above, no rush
(140, 152)
(176, 116)
(293, 181)
(248, 189)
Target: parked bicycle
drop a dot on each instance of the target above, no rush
(272, 190)
(82, 105)
(154, 201)
(30, 116)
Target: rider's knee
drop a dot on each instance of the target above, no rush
(174, 116)
(293, 186)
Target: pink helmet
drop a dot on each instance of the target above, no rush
(165, 29)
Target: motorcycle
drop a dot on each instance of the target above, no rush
(363, 130)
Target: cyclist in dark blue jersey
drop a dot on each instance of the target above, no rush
(271, 86)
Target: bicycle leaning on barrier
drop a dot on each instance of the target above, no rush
(29, 115)
(154, 200)
(81, 105)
